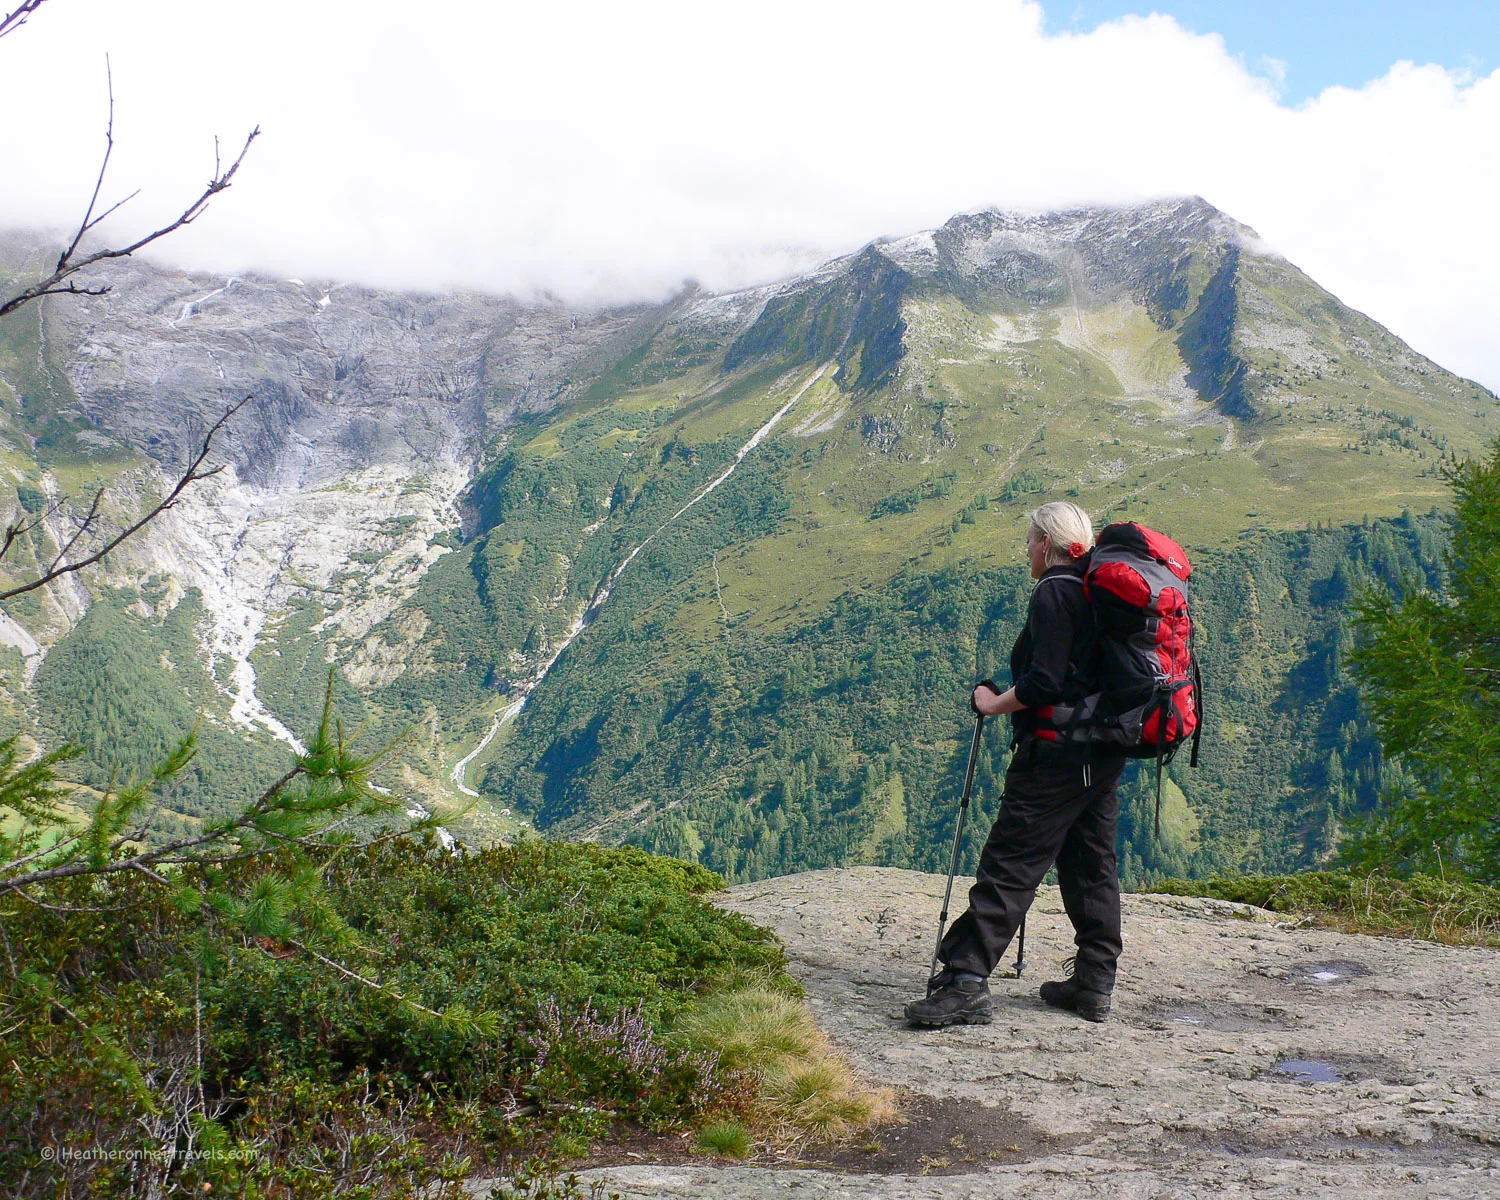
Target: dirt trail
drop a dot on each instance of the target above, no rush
(1242, 1059)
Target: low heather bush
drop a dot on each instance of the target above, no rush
(463, 1006)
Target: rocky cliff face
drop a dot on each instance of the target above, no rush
(368, 413)
(342, 378)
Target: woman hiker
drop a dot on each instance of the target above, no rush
(1059, 805)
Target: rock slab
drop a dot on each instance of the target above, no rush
(1242, 1057)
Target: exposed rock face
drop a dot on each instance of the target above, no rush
(1103, 253)
(1242, 1058)
(368, 413)
(343, 377)
(851, 309)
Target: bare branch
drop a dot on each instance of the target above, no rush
(12, 532)
(83, 527)
(109, 148)
(138, 834)
(154, 876)
(42, 853)
(13, 21)
(72, 289)
(115, 207)
(192, 475)
(73, 908)
(61, 283)
(68, 264)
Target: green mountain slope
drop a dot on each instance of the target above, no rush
(770, 685)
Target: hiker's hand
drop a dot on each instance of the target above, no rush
(985, 700)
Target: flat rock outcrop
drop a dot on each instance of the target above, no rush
(1243, 1057)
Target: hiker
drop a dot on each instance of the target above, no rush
(1059, 804)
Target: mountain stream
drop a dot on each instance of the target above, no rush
(581, 622)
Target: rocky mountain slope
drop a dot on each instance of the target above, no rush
(436, 496)
(1243, 1057)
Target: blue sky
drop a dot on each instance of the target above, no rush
(1321, 42)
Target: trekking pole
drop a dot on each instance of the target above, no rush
(958, 837)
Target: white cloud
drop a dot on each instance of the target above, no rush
(1274, 69)
(609, 150)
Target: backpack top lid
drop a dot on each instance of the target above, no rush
(1139, 540)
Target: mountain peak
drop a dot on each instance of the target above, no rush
(1158, 255)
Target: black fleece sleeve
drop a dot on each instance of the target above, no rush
(1056, 617)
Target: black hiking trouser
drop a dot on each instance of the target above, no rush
(1054, 809)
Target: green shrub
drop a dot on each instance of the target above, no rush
(536, 979)
(1428, 665)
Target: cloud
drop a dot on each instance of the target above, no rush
(1274, 69)
(608, 151)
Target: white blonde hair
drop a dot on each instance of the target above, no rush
(1064, 523)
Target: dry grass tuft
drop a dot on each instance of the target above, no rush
(825, 1099)
(806, 1091)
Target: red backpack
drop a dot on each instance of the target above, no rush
(1151, 700)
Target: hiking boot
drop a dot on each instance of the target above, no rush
(1075, 995)
(953, 998)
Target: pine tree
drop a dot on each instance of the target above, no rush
(1429, 670)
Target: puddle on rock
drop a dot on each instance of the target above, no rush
(941, 1136)
(1308, 1070)
(1328, 974)
(1219, 1018)
(1325, 1066)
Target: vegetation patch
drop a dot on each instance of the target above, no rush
(1429, 669)
(431, 1011)
(779, 746)
(800, 1090)
(729, 1138)
(1422, 906)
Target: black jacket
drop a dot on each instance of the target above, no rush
(1054, 658)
